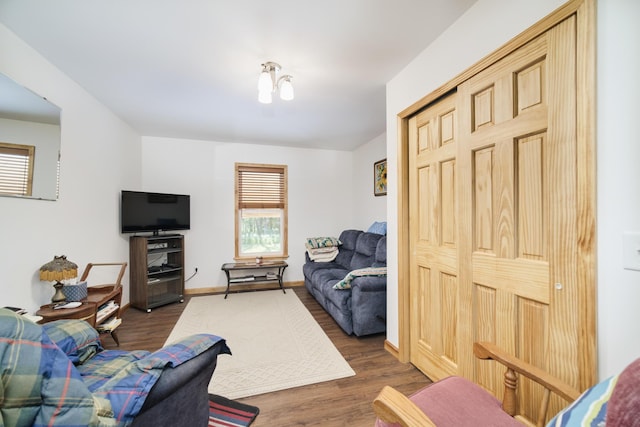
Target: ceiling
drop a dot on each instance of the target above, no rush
(189, 68)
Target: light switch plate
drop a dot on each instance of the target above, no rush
(631, 250)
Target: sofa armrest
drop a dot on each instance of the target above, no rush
(173, 378)
(180, 396)
(369, 284)
(369, 305)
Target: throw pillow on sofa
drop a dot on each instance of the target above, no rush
(322, 242)
(378, 227)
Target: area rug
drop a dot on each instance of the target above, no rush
(225, 412)
(275, 341)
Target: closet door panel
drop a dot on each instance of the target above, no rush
(434, 275)
(523, 164)
(494, 222)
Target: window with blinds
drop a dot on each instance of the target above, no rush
(261, 210)
(16, 169)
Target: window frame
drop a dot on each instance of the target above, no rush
(28, 152)
(253, 203)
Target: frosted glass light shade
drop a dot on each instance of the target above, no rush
(264, 96)
(286, 89)
(265, 84)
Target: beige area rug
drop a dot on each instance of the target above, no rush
(275, 341)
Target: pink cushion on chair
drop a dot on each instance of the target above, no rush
(457, 402)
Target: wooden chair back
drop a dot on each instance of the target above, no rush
(118, 281)
(100, 294)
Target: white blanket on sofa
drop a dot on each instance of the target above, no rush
(323, 254)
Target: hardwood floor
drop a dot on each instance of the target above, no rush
(343, 402)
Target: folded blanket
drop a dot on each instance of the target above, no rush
(321, 242)
(322, 249)
(126, 378)
(323, 254)
(369, 271)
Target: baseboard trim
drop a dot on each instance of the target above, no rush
(392, 349)
(243, 287)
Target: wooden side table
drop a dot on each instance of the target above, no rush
(101, 307)
(86, 311)
(277, 268)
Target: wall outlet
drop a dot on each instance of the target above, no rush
(631, 250)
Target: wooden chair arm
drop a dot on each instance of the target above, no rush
(392, 406)
(487, 350)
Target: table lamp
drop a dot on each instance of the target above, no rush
(55, 271)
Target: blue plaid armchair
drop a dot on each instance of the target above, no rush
(58, 374)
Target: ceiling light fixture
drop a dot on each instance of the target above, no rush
(269, 83)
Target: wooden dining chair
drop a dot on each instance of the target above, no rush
(457, 402)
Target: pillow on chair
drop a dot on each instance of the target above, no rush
(624, 405)
(589, 409)
(76, 338)
(615, 400)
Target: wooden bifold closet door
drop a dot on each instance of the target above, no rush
(494, 169)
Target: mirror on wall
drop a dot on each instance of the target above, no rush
(29, 143)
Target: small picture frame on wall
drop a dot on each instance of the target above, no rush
(380, 178)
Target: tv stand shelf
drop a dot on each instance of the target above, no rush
(157, 270)
(164, 250)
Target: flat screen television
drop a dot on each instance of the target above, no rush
(142, 211)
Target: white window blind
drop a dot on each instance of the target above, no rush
(260, 187)
(16, 169)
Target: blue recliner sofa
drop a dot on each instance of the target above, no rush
(361, 309)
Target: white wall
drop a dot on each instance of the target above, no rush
(485, 27)
(618, 181)
(100, 155)
(321, 189)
